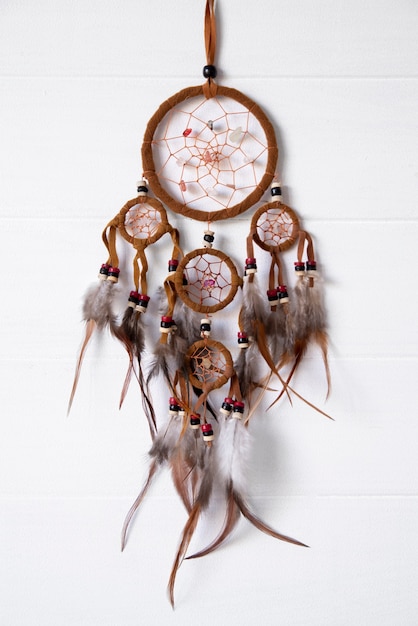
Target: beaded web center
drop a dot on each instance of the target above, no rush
(208, 280)
(207, 365)
(142, 221)
(210, 154)
(275, 226)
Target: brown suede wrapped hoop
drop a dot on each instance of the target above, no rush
(162, 224)
(209, 363)
(183, 291)
(284, 230)
(256, 189)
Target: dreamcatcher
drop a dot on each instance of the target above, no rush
(209, 153)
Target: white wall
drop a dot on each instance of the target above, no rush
(79, 81)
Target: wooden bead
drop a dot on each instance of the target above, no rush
(113, 274)
(209, 71)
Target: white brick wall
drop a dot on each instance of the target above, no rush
(78, 83)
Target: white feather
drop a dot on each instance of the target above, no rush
(233, 449)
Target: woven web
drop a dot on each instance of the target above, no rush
(208, 365)
(274, 227)
(142, 221)
(210, 154)
(208, 280)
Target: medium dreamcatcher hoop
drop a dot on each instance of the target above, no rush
(210, 364)
(207, 281)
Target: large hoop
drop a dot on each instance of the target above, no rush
(205, 160)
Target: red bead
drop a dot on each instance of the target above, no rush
(282, 288)
(166, 318)
(173, 262)
(242, 335)
(134, 294)
(272, 292)
(144, 297)
(173, 401)
(187, 132)
(206, 428)
(250, 261)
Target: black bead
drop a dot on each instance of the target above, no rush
(276, 191)
(142, 189)
(133, 299)
(209, 71)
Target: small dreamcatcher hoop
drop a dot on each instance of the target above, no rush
(210, 364)
(209, 155)
(275, 226)
(142, 221)
(206, 280)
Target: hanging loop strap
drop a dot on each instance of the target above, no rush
(210, 32)
(209, 71)
(305, 237)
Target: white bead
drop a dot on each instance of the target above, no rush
(141, 183)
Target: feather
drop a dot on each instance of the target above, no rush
(309, 325)
(252, 316)
(187, 322)
(131, 333)
(233, 453)
(161, 452)
(185, 467)
(97, 313)
(253, 307)
(201, 503)
(152, 471)
(253, 519)
(246, 369)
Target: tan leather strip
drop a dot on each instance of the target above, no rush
(210, 32)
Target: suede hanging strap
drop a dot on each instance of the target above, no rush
(210, 88)
(210, 32)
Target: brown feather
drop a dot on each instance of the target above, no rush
(253, 519)
(90, 328)
(153, 468)
(231, 519)
(202, 501)
(187, 535)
